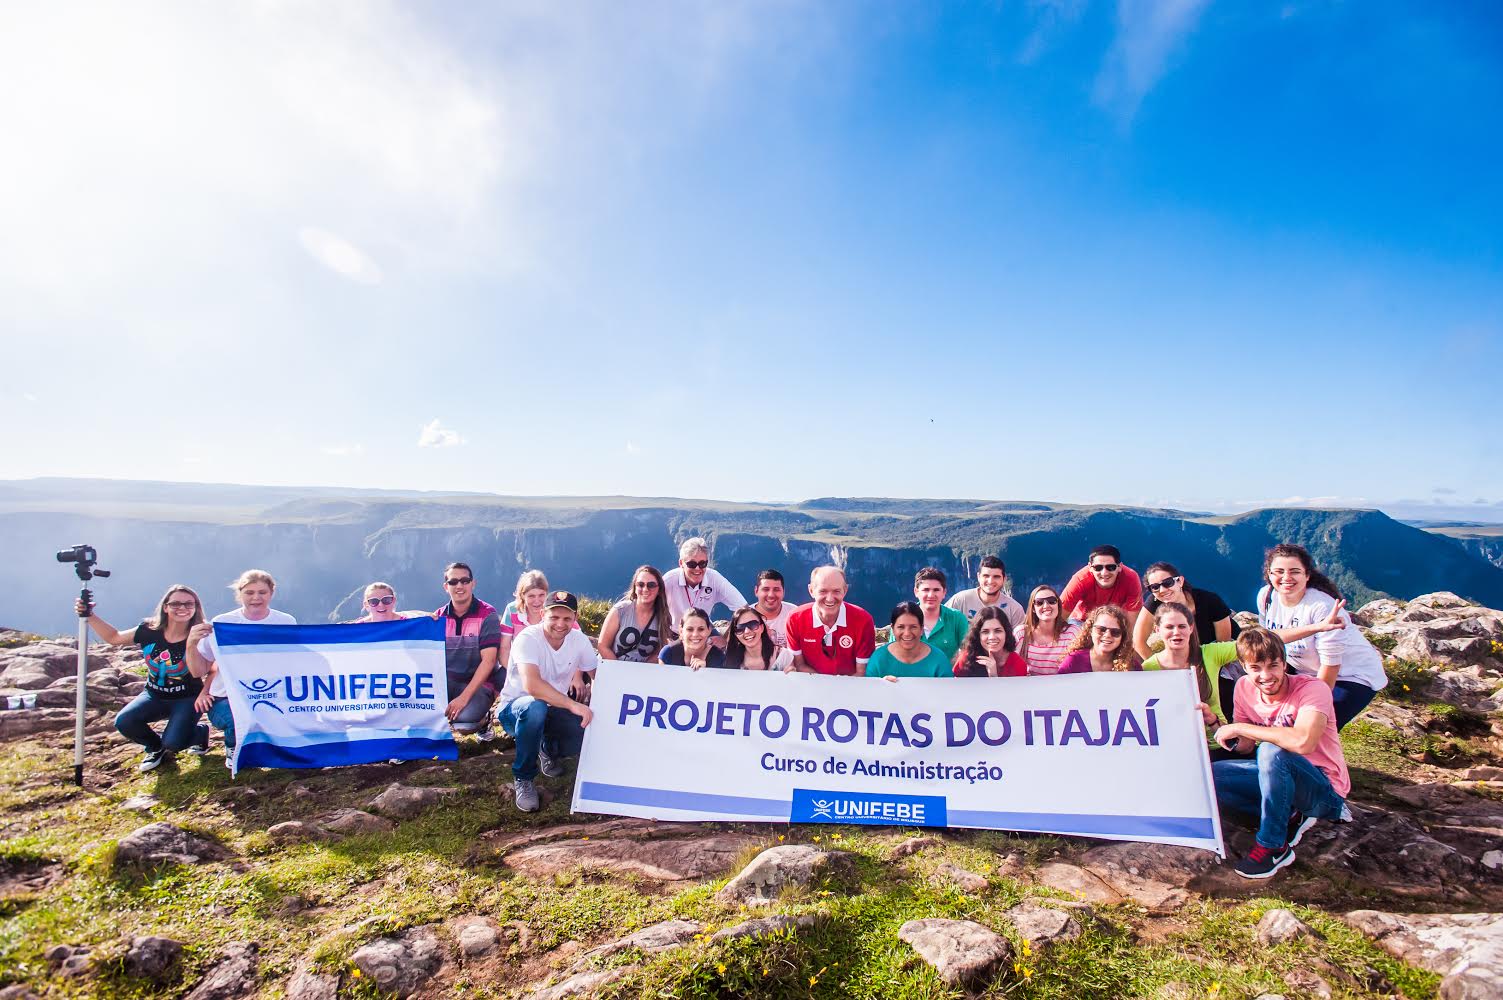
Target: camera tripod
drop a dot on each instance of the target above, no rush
(83, 558)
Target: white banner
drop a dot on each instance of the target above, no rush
(1121, 756)
(322, 695)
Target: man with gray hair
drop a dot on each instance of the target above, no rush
(695, 585)
(831, 635)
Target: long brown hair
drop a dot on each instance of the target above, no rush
(1031, 617)
(965, 660)
(159, 620)
(660, 616)
(1197, 657)
(735, 649)
(1318, 580)
(1123, 658)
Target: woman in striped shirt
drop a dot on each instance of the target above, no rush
(1045, 638)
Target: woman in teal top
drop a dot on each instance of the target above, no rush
(1183, 651)
(908, 655)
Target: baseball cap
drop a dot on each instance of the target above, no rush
(562, 599)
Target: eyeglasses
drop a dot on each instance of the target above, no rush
(1107, 632)
(381, 602)
(748, 625)
(1044, 602)
(696, 564)
(1103, 567)
(459, 581)
(182, 605)
(647, 585)
(1173, 581)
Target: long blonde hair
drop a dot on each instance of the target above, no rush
(532, 579)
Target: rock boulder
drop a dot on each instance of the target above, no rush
(963, 952)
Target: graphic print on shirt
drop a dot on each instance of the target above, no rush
(162, 674)
(644, 642)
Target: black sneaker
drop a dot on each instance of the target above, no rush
(200, 742)
(1298, 824)
(1262, 862)
(153, 760)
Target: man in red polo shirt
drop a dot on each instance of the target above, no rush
(1104, 580)
(830, 636)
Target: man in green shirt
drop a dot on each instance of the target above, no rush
(944, 628)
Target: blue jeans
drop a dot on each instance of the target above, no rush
(1273, 785)
(134, 722)
(222, 718)
(537, 724)
(476, 714)
(1350, 698)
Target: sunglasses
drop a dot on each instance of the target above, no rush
(696, 564)
(748, 625)
(1044, 602)
(182, 605)
(380, 602)
(1104, 568)
(646, 585)
(1107, 632)
(1173, 581)
(459, 581)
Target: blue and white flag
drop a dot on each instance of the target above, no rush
(324, 695)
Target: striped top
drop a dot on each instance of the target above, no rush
(1045, 658)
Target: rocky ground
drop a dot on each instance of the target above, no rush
(419, 879)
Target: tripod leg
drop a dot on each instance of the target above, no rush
(82, 700)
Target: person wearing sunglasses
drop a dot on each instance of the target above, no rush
(908, 655)
(693, 584)
(1166, 585)
(990, 592)
(637, 625)
(472, 646)
(1045, 638)
(1102, 581)
(989, 649)
(693, 649)
(171, 692)
(380, 603)
(253, 590)
(1103, 644)
(751, 645)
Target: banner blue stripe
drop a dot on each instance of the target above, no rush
(408, 629)
(342, 753)
(352, 735)
(699, 801)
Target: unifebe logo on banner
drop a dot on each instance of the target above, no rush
(812, 805)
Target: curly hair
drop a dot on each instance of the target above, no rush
(1123, 658)
(965, 660)
(1318, 580)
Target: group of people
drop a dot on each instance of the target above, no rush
(1277, 694)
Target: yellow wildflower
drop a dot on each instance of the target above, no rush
(720, 968)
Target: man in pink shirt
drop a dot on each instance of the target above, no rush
(1103, 580)
(1299, 774)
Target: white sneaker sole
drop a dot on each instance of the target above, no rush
(1299, 831)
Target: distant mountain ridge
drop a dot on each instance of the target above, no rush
(324, 545)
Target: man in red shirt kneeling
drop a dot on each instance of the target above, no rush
(830, 636)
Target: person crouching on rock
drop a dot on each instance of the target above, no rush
(472, 644)
(253, 590)
(544, 703)
(1299, 773)
(172, 692)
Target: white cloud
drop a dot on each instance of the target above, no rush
(1148, 33)
(343, 450)
(632, 448)
(436, 435)
(339, 255)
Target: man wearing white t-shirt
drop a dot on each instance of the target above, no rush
(990, 592)
(773, 609)
(694, 585)
(253, 590)
(544, 702)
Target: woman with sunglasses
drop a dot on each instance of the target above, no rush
(908, 655)
(380, 604)
(693, 649)
(637, 625)
(172, 692)
(1163, 584)
(1046, 635)
(751, 646)
(1306, 609)
(988, 648)
(1102, 645)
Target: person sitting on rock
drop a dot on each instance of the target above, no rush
(472, 646)
(1164, 584)
(172, 692)
(989, 649)
(944, 627)
(380, 604)
(831, 635)
(694, 648)
(1102, 645)
(693, 584)
(1102, 581)
(253, 590)
(1307, 610)
(990, 592)
(636, 627)
(1045, 638)
(751, 645)
(1299, 773)
(908, 655)
(544, 702)
(1184, 649)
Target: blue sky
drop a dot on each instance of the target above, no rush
(1189, 253)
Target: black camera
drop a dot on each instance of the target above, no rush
(79, 554)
